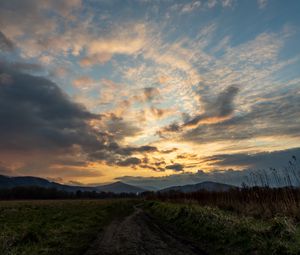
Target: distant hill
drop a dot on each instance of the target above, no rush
(7, 182)
(119, 187)
(208, 186)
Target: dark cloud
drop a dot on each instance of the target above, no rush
(26, 67)
(153, 168)
(36, 114)
(129, 162)
(119, 128)
(255, 165)
(216, 110)
(219, 107)
(5, 43)
(260, 160)
(130, 150)
(168, 151)
(174, 127)
(176, 167)
(268, 117)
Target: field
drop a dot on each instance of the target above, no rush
(72, 226)
(221, 232)
(55, 227)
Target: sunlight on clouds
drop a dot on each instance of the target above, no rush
(147, 90)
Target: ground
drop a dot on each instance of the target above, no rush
(140, 234)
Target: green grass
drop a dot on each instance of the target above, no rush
(221, 232)
(55, 227)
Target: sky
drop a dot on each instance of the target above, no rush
(157, 93)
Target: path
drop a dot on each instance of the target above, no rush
(138, 234)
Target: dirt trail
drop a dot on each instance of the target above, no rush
(138, 234)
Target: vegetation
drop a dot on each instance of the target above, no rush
(260, 202)
(259, 218)
(55, 227)
(220, 232)
(36, 192)
(255, 219)
(263, 195)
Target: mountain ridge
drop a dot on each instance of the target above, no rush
(8, 182)
(206, 185)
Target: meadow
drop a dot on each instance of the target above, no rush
(218, 231)
(55, 226)
(71, 226)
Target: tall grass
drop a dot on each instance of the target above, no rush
(263, 194)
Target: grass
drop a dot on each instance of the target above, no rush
(259, 202)
(221, 232)
(55, 227)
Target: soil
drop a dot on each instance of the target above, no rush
(139, 234)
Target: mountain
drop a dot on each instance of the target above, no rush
(119, 187)
(208, 186)
(7, 182)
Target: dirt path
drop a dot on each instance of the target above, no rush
(138, 234)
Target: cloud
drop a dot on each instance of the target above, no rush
(212, 3)
(84, 82)
(37, 22)
(275, 159)
(267, 118)
(120, 129)
(38, 115)
(258, 161)
(5, 43)
(39, 118)
(151, 93)
(124, 40)
(176, 167)
(129, 162)
(4, 170)
(189, 7)
(216, 110)
(5, 79)
(94, 59)
(227, 3)
(157, 112)
(25, 67)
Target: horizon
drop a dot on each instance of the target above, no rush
(149, 93)
(146, 188)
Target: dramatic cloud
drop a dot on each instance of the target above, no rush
(262, 160)
(265, 119)
(147, 87)
(119, 128)
(258, 162)
(36, 114)
(216, 110)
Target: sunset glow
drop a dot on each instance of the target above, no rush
(98, 91)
